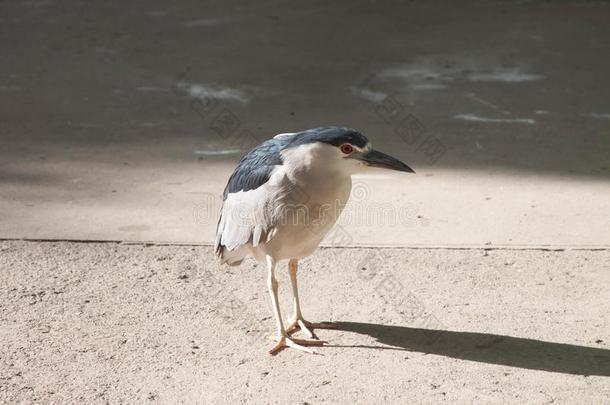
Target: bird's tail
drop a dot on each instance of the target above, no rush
(231, 257)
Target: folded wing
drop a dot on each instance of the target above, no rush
(246, 217)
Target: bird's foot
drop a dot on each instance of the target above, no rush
(299, 344)
(308, 327)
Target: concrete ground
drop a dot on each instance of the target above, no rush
(116, 323)
(121, 121)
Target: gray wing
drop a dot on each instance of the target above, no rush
(246, 214)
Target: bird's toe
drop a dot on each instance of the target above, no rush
(299, 344)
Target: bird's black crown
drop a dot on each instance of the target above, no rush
(331, 135)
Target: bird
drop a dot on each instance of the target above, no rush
(283, 197)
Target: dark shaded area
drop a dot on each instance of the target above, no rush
(110, 80)
(489, 348)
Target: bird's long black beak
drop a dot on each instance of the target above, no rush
(374, 158)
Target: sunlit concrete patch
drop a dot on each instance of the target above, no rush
(457, 207)
(140, 323)
(513, 75)
(369, 95)
(197, 90)
(476, 118)
(431, 74)
(220, 152)
(413, 72)
(422, 76)
(491, 105)
(603, 116)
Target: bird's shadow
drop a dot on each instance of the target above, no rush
(487, 348)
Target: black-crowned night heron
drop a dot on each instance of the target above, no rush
(283, 198)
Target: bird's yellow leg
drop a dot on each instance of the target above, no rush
(283, 340)
(299, 322)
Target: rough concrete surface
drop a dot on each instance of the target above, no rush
(116, 323)
(123, 120)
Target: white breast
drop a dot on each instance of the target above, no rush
(314, 199)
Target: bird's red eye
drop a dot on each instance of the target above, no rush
(347, 148)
